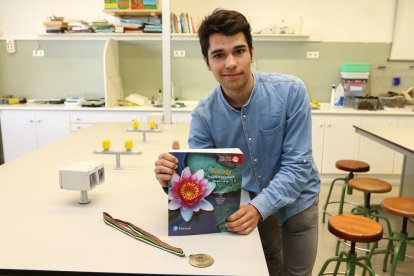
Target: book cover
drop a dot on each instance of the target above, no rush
(204, 190)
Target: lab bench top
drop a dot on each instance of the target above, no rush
(45, 228)
(325, 108)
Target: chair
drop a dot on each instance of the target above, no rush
(350, 166)
(353, 228)
(401, 206)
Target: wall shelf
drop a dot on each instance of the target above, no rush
(130, 12)
(280, 37)
(256, 37)
(102, 36)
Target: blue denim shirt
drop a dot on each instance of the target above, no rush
(273, 130)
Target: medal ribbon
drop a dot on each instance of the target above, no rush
(141, 235)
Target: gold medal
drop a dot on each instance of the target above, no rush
(201, 260)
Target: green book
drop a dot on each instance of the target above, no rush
(204, 191)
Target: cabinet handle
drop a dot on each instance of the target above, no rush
(328, 125)
(78, 119)
(39, 121)
(31, 121)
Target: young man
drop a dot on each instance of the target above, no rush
(268, 117)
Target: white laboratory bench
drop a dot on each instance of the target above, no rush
(44, 228)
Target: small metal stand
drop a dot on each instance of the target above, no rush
(84, 197)
(144, 132)
(118, 154)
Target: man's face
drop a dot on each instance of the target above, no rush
(229, 60)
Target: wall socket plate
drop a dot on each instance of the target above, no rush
(38, 53)
(179, 53)
(312, 55)
(10, 46)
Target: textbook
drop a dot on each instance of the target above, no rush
(204, 190)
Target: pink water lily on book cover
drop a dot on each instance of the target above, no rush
(188, 193)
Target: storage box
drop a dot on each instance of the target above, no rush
(355, 67)
(111, 4)
(366, 102)
(354, 85)
(150, 4)
(123, 4)
(394, 102)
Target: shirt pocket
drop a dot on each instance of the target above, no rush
(272, 139)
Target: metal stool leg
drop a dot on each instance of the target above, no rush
(329, 196)
(352, 260)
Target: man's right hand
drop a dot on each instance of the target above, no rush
(165, 165)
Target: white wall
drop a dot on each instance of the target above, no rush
(331, 20)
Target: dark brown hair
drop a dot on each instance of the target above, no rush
(226, 22)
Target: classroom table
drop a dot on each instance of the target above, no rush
(400, 139)
(45, 229)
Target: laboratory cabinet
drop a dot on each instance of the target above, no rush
(380, 158)
(398, 164)
(334, 138)
(24, 131)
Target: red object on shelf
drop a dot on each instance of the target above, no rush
(137, 4)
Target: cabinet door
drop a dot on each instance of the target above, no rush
(340, 141)
(379, 157)
(398, 162)
(318, 132)
(51, 126)
(18, 133)
(181, 117)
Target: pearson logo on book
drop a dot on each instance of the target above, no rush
(204, 191)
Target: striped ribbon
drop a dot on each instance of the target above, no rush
(141, 235)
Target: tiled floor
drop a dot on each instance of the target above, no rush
(327, 241)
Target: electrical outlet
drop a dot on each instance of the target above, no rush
(38, 53)
(179, 53)
(11, 46)
(313, 55)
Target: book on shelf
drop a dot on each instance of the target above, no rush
(204, 190)
(183, 23)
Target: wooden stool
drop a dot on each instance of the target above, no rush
(351, 166)
(355, 229)
(401, 206)
(368, 186)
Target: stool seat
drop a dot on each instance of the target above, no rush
(402, 206)
(352, 166)
(355, 228)
(370, 185)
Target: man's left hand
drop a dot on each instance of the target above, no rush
(244, 220)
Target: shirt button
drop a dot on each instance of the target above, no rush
(250, 138)
(244, 115)
(255, 160)
(260, 176)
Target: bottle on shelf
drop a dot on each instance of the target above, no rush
(159, 98)
(339, 95)
(333, 89)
